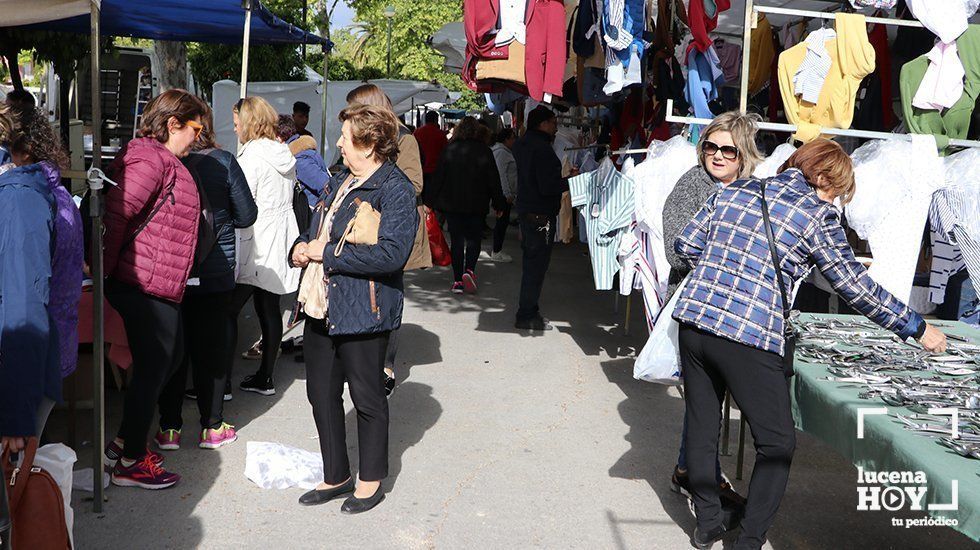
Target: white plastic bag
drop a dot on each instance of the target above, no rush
(278, 466)
(58, 460)
(659, 360)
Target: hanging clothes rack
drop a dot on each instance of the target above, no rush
(751, 20)
(790, 128)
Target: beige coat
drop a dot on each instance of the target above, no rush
(410, 162)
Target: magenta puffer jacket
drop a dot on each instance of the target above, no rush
(158, 261)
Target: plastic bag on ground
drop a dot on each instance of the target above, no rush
(659, 361)
(58, 460)
(278, 466)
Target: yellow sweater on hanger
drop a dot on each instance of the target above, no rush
(852, 59)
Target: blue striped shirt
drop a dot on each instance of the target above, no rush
(605, 198)
(732, 291)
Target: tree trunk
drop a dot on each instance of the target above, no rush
(10, 54)
(173, 64)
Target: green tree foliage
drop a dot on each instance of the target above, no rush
(411, 56)
(213, 62)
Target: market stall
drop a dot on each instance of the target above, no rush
(878, 409)
(631, 111)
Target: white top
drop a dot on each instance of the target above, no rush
(770, 167)
(942, 85)
(947, 19)
(512, 25)
(895, 180)
(809, 78)
(263, 248)
(955, 208)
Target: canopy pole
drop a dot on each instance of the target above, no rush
(743, 91)
(98, 289)
(323, 98)
(247, 4)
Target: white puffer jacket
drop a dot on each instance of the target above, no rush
(262, 249)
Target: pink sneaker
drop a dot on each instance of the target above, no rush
(113, 452)
(216, 438)
(469, 282)
(457, 287)
(144, 474)
(167, 440)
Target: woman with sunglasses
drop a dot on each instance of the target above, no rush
(726, 152)
(151, 224)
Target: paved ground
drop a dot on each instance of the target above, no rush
(498, 440)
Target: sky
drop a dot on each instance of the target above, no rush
(343, 15)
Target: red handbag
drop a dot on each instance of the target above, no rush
(37, 508)
(437, 242)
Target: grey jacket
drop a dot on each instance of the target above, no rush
(689, 195)
(507, 168)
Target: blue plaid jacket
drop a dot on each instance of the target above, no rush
(732, 291)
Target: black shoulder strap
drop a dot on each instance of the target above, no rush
(772, 251)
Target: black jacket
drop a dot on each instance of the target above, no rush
(539, 181)
(466, 180)
(233, 207)
(366, 288)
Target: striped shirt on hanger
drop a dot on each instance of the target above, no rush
(605, 198)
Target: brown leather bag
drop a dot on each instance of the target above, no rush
(37, 507)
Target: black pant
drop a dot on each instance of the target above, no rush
(761, 390)
(500, 230)
(330, 360)
(465, 235)
(536, 246)
(270, 321)
(155, 333)
(208, 350)
(392, 350)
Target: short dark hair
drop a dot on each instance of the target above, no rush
(36, 140)
(431, 117)
(21, 99)
(505, 134)
(301, 107)
(176, 103)
(286, 127)
(538, 115)
(373, 126)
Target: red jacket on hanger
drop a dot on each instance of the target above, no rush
(700, 24)
(546, 53)
(480, 19)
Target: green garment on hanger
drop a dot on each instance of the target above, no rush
(954, 123)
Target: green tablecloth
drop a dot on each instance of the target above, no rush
(829, 411)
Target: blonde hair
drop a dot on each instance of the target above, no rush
(742, 127)
(822, 157)
(256, 119)
(6, 124)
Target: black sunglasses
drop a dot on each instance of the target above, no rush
(729, 152)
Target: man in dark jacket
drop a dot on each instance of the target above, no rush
(539, 190)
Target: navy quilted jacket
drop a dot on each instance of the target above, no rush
(365, 281)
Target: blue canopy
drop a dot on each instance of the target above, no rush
(217, 21)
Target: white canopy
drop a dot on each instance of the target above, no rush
(282, 95)
(27, 12)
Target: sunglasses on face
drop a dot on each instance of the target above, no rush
(197, 126)
(729, 152)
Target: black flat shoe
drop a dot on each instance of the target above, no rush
(354, 505)
(321, 496)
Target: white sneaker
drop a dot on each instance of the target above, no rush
(484, 255)
(501, 257)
